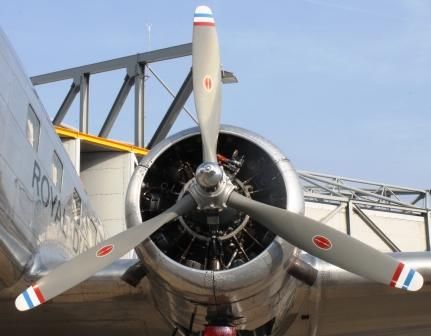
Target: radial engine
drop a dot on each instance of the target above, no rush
(214, 266)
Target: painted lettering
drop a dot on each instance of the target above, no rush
(65, 221)
(53, 202)
(45, 196)
(68, 224)
(46, 193)
(58, 216)
(36, 176)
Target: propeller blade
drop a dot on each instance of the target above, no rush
(329, 244)
(95, 259)
(206, 80)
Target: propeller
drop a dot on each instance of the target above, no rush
(213, 190)
(311, 236)
(96, 258)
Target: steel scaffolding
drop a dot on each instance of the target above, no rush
(348, 195)
(135, 67)
(357, 196)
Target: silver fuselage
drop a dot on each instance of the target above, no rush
(37, 217)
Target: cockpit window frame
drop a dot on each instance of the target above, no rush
(57, 163)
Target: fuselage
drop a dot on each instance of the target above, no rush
(44, 210)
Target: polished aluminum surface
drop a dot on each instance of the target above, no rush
(341, 303)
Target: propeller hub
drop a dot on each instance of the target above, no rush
(211, 197)
(209, 175)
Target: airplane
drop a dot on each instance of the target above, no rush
(222, 246)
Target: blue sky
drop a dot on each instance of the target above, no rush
(342, 87)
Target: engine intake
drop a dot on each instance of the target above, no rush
(212, 239)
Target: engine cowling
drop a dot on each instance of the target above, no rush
(220, 267)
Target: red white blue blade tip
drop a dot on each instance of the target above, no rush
(203, 17)
(30, 298)
(407, 278)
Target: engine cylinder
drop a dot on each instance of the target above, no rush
(213, 264)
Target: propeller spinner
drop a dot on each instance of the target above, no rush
(212, 189)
